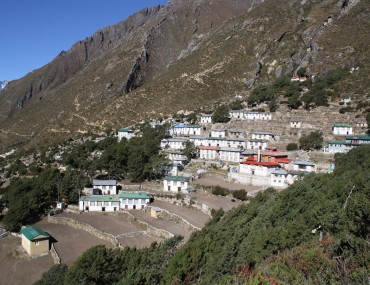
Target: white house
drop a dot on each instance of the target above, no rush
(208, 152)
(296, 123)
(134, 201)
(361, 124)
(342, 129)
(176, 183)
(257, 116)
(257, 144)
(176, 156)
(218, 133)
(206, 118)
(235, 142)
(230, 154)
(185, 130)
(305, 166)
(262, 135)
(107, 187)
(338, 147)
(198, 140)
(173, 143)
(258, 168)
(237, 114)
(125, 133)
(234, 133)
(278, 178)
(99, 203)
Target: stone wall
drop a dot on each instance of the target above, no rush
(145, 227)
(178, 220)
(54, 255)
(85, 227)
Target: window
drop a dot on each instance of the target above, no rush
(37, 243)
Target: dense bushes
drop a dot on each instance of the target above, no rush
(218, 190)
(240, 194)
(221, 114)
(291, 146)
(312, 141)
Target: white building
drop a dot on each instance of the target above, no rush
(296, 124)
(125, 133)
(262, 135)
(342, 129)
(176, 156)
(185, 130)
(218, 133)
(176, 183)
(230, 154)
(279, 178)
(338, 147)
(257, 116)
(107, 187)
(206, 118)
(361, 124)
(258, 168)
(99, 203)
(173, 143)
(208, 152)
(257, 144)
(236, 114)
(305, 166)
(234, 133)
(134, 201)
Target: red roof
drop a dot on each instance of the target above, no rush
(283, 160)
(261, 163)
(206, 147)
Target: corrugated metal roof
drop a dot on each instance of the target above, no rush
(33, 233)
(104, 182)
(304, 162)
(124, 195)
(100, 198)
(125, 130)
(178, 178)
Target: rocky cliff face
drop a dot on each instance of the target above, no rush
(181, 56)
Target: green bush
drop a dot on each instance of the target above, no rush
(291, 146)
(312, 141)
(221, 114)
(240, 194)
(218, 190)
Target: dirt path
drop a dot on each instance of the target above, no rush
(193, 216)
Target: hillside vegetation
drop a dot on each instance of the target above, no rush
(275, 239)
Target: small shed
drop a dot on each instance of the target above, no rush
(35, 241)
(155, 212)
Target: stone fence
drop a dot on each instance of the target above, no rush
(54, 255)
(5, 234)
(85, 227)
(150, 230)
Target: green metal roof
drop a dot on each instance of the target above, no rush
(337, 142)
(134, 196)
(100, 198)
(360, 138)
(32, 233)
(128, 130)
(342, 125)
(178, 178)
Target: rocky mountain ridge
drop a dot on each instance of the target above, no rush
(3, 84)
(185, 55)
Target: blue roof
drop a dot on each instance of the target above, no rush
(104, 182)
(304, 162)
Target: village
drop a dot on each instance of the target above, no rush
(244, 155)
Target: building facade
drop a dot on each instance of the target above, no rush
(35, 241)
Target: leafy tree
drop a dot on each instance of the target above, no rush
(240, 194)
(236, 105)
(192, 118)
(221, 114)
(302, 71)
(55, 275)
(273, 105)
(312, 141)
(294, 102)
(190, 150)
(261, 94)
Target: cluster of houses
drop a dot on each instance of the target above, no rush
(350, 141)
(107, 198)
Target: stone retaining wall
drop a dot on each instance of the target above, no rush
(178, 220)
(191, 203)
(85, 227)
(150, 230)
(54, 255)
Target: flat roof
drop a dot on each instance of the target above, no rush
(361, 138)
(125, 130)
(281, 172)
(304, 162)
(263, 133)
(230, 149)
(174, 140)
(342, 125)
(206, 147)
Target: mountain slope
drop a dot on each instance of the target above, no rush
(186, 56)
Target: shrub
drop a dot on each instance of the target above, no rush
(291, 146)
(240, 194)
(312, 141)
(218, 190)
(221, 115)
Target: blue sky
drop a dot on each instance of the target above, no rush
(33, 32)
